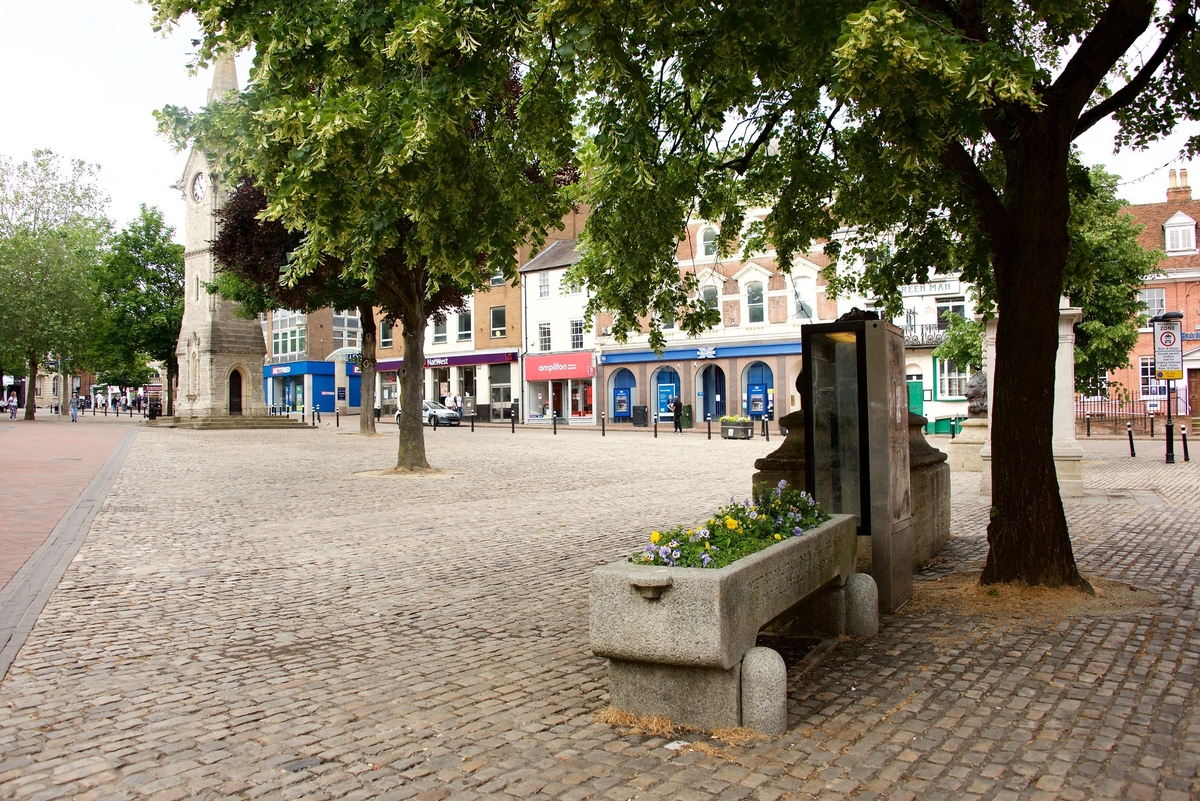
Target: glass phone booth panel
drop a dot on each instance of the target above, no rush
(837, 466)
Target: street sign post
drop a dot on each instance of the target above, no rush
(1168, 363)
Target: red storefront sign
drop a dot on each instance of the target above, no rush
(559, 366)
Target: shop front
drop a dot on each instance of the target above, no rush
(480, 378)
(298, 386)
(560, 385)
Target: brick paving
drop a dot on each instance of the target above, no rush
(267, 618)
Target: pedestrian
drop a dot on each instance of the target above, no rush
(74, 408)
(677, 413)
(12, 406)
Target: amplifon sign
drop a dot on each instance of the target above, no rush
(559, 366)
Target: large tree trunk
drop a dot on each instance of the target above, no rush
(411, 452)
(1028, 535)
(366, 420)
(30, 385)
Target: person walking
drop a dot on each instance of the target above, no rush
(74, 408)
(12, 406)
(677, 413)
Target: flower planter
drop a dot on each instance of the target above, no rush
(675, 637)
(737, 430)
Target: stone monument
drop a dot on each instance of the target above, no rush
(221, 355)
(963, 450)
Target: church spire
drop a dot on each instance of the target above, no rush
(224, 76)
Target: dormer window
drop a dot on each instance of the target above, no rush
(1180, 234)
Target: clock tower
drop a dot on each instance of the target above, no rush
(220, 355)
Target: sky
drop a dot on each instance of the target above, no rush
(82, 77)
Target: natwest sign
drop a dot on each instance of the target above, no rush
(559, 366)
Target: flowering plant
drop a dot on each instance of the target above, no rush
(734, 418)
(737, 529)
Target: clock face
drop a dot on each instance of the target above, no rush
(199, 186)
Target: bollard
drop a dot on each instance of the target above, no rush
(337, 419)
(951, 428)
(1152, 426)
(1129, 430)
(472, 422)
(434, 419)
(767, 428)
(318, 414)
(313, 417)
(1183, 439)
(708, 419)
(554, 422)
(1088, 416)
(656, 425)
(512, 418)
(602, 418)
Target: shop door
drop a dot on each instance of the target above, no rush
(1193, 392)
(235, 393)
(556, 393)
(916, 397)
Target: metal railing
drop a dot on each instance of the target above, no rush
(926, 334)
(1110, 415)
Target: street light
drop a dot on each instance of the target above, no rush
(1167, 317)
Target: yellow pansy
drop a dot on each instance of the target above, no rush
(778, 537)
(655, 537)
(731, 524)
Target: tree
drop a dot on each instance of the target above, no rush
(141, 285)
(415, 145)
(52, 228)
(963, 344)
(943, 127)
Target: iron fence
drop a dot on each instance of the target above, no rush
(1110, 416)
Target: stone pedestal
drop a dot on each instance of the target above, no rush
(963, 450)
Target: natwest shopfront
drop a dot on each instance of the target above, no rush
(561, 384)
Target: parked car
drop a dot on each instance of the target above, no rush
(433, 409)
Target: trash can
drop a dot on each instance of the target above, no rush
(687, 420)
(641, 416)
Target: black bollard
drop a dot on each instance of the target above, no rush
(434, 419)
(1183, 439)
(1129, 430)
(554, 422)
(708, 419)
(472, 422)
(767, 428)
(337, 419)
(602, 418)
(1088, 416)
(1152, 426)
(656, 425)
(318, 414)
(512, 418)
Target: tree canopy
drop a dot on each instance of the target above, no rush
(52, 229)
(416, 145)
(942, 128)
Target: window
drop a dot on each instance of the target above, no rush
(668, 321)
(439, 332)
(754, 302)
(385, 334)
(543, 285)
(287, 335)
(1181, 237)
(345, 329)
(1151, 386)
(951, 306)
(708, 242)
(952, 379)
(498, 278)
(567, 288)
(577, 335)
(498, 328)
(544, 337)
(709, 293)
(1155, 300)
(464, 326)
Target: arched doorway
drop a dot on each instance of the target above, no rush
(713, 399)
(235, 392)
(666, 386)
(623, 392)
(759, 397)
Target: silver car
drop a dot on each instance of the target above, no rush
(431, 410)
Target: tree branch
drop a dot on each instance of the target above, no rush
(742, 163)
(993, 216)
(1183, 24)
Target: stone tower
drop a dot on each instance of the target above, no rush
(220, 355)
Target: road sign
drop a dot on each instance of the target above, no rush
(1168, 350)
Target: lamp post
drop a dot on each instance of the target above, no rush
(1166, 343)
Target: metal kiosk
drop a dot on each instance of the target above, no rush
(856, 422)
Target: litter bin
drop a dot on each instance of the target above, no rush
(641, 416)
(686, 416)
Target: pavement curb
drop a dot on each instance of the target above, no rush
(26, 595)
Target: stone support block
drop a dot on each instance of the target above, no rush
(704, 698)
(862, 606)
(764, 691)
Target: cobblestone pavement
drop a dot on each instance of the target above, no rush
(266, 619)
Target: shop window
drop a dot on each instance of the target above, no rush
(949, 306)
(439, 332)
(708, 242)
(385, 334)
(544, 337)
(1154, 299)
(543, 285)
(498, 326)
(577, 335)
(464, 326)
(754, 302)
(952, 379)
(1151, 386)
(709, 294)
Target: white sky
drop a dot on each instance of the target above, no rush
(82, 77)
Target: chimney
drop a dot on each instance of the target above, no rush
(1178, 190)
